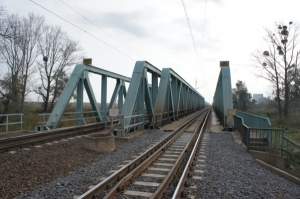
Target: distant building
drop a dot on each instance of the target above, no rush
(258, 97)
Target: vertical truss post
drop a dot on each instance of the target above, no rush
(104, 97)
(175, 97)
(179, 105)
(121, 94)
(154, 89)
(184, 99)
(162, 99)
(171, 101)
(148, 97)
(140, 103)
(79, 103)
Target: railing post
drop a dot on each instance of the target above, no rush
(287, 146)
(282, 140)
(6, 123)
(21, 122)
(248, 137)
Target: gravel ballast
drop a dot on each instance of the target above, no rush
(77, 182)
(231, 172)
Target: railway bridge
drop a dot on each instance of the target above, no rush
(192, 150)
(160, 104)
(157, 97)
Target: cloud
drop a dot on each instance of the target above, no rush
(213, 1)
(127, 22)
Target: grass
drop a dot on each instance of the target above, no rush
(32, 118)
(291, 124)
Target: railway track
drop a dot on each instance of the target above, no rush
(11, 143)
(47, 136)
(161, 171)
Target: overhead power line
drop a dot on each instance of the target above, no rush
(203, 29)
(81, 29)
(100, 28)
(188, 20)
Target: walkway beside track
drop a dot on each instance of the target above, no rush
(229, 171)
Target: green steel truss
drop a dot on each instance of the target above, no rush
(175, 99)
(222, 100)
(172, 99)
(79, 80)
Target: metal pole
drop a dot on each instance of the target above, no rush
(21, 122)
(6, 123)
(282, 139)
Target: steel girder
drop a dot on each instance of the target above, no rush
(175, 98)
(140, 95)
(222, 100)
(172, 99)
(79, 80)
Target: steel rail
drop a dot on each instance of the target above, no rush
(33, 138)
(160, 192)
(119, 187)
(56, 134)
(189, 165)
(115, 177)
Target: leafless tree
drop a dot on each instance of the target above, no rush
(58, 53)
(31, 31)
(279, 63)
(19, 52)
(3, 28)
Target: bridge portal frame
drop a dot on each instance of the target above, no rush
(79, 80)
(222, 100)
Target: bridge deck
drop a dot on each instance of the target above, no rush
(215, 123)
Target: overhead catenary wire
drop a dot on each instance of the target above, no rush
(203, 28)
(100, 29)
(82, 29)
(188, 20)
(201, 47)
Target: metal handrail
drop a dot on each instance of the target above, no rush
(68, 113)
(275, 137)
(12, 123)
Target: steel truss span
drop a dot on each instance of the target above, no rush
(168, 97)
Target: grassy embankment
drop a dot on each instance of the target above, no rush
(32, 118)
(291, 126)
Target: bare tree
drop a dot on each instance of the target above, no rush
(279, 64)
(31, 31)
(19, 52)
(11, 55)
(3, 28)
(59, 52)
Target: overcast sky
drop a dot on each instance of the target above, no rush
(157, 31)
